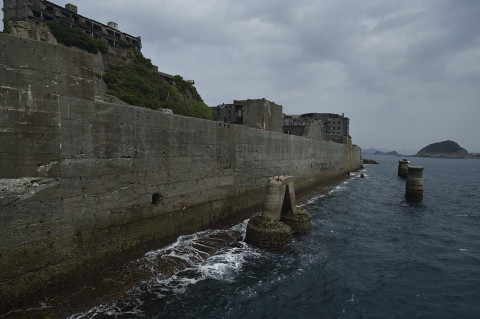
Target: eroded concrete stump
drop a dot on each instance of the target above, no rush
(414, 187)
(268, 234)
(280, 216)
(298, 219)
(403, 168)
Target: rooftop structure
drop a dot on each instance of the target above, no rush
(38, 11)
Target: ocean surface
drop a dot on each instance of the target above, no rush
(371, 254)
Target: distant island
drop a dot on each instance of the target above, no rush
(445, 149)
(376, 152)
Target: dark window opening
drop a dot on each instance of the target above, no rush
(111, 42)
(156, 199)
(66, 15)
(37, 14)
(48, 18)
(117, 35)
(134, 42)
(89, 24)
(97, 27)
(49, 9)
(110, 32)
(75, 19)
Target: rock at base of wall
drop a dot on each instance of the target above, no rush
(369, 161)
(299, 220)
(268, 234)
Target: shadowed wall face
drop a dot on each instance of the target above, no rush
(85, 184)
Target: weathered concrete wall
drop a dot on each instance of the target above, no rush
(86, 184)
(33, 76)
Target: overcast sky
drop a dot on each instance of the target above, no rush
(406, 72)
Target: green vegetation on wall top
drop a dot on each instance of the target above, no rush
(75, 37)
(139, 84)
(6, 26)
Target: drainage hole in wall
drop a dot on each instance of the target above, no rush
(156, 198)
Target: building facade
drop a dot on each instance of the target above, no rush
(38, 11)
(256, 113)
(334, 125)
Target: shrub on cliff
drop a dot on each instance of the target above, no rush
(6, 26)
(75, 37)
(139, 84)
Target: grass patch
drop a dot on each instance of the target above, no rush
(75, 37)
(6, 27)
(139, 84)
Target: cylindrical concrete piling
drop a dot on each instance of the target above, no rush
(268, 234)
(403, 168)
(280, 216)
(299, 220)
(414, 189)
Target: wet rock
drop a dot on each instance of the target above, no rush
(369, 161)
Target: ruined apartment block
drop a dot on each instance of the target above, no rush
(37, 11)
(334, 125)
(255, 113)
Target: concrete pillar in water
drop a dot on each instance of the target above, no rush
(280, 216)
(414, 189)
(403, 168)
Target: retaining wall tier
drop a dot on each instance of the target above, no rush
(85, 185)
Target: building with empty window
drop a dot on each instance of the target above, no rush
(37, 11)
(334, 126)
(256, 113)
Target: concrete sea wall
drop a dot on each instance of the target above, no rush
(85, 185)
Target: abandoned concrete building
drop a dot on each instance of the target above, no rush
(263, 114)
(294, 124)
(334, 126)
(37, 11)
(256, 113)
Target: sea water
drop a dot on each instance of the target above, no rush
(371, 254)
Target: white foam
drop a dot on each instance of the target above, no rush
(312, 200)
(223, 265)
